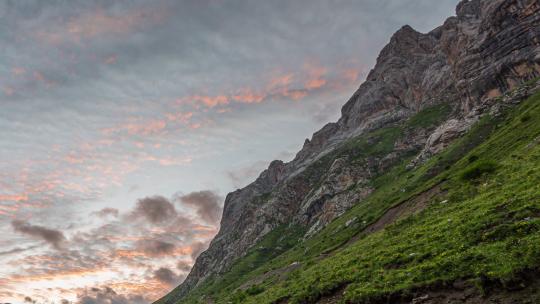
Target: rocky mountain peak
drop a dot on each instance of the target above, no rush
(405, 37)
(468, 8)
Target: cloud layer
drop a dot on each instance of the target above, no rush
(153, 241)
(107, 295)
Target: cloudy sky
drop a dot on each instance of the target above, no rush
(123, 124)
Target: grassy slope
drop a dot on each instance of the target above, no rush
(488, 230)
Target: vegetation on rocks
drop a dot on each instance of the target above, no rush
(430, 116)
(483, 226)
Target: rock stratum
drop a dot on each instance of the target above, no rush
(459, 71)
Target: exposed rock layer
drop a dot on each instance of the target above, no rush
(489, 48)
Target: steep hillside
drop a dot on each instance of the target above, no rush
(429, 179)
(461, 226)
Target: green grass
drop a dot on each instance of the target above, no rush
(486, 231)
(430, 116)
(531, 81)
(273, 244)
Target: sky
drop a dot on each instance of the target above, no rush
(123, 125)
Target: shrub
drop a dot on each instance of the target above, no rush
(254, 290)
(525, 118)
(478, 169)
(472, 158)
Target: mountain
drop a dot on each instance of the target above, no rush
(427, 183)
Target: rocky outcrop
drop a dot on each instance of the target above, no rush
(454, 128)
(489, 48)
(334, 196)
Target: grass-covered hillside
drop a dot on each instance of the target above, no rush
(467, 221)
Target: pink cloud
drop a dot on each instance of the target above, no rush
(315, 83)
(18, 71)
(351, 75)
(98, 23)
(9, 91)
(296, 94)
(174, 161)
(72, 158)
(39, 77)
(210, 101)
(111, 59)
(14, 198)
(281, 81)
(315, 76)
(183, 117)
(248, 96)
(138, 128)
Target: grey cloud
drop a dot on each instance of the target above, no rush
(327, 111)
(16, 250)
(207, 204)
(241, 176)
(106, 295)
(213, 40)
(155, 247)
(183, 266)
(66, 261)
(198, 248)
(107, 212)
(167, 276)
(245, 174)
(53, 237)
(156, 209)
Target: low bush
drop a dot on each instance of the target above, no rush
(477, 170)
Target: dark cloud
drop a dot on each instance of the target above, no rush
(155, 247)
(241, 176)
(66, 262)
(53, 237)
(326, 112)
(106, 295)
(167, 276)
(183, 266)
(107, 212)
(207, 204)
(16, 250)
(197, 248)
(156, 209)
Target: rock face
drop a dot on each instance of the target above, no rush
(487, 49)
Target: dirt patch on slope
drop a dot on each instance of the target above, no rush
(402, 210)
(281, 273)
(408, 207)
